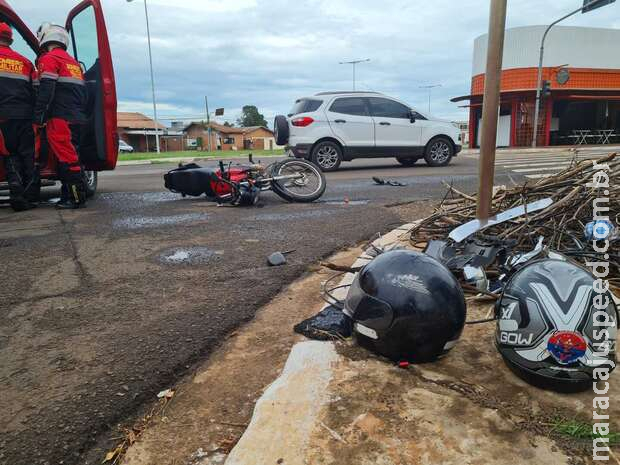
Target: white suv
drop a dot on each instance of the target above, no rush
(332, 127)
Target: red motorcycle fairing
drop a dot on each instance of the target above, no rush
(234, 175)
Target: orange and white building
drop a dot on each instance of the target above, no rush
(582, 66)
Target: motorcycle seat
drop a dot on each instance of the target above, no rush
(192, 180)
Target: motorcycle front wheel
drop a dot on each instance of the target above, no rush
(306, 183)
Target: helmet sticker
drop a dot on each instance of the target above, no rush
(566, 347)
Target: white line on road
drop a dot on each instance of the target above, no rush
(539, 176)
(529, 170)
(526, 165)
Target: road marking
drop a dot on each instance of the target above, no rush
(544, 168)
(539, 176)
(546, 163)
(526, 165)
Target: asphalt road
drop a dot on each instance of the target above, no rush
(102, 308)
(352, 181)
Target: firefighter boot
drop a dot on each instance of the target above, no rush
(16, 189)
(76, 195)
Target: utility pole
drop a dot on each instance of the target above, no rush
(490, 107)
(430, 91)
(354, 63)
(208, 124)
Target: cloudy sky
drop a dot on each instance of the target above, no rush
(270, 52)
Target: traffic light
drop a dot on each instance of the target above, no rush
(546, 88)
(589, 5)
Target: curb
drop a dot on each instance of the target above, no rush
(546, 150)
(156, 161)
(286, 415)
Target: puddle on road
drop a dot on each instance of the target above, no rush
(188, 255)
(139, 222)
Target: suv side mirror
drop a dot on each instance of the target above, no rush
(412, 115)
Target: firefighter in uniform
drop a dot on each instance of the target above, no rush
(61, 108)
(16, 132)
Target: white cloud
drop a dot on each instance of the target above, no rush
(270, 52)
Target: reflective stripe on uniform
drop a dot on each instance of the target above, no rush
(69, 80)
(14, 76)
(47, 75)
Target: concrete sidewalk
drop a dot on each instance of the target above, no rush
(335, 403)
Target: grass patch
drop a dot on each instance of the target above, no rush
(580, 431)
(196, 154)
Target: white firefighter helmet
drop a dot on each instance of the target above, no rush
(52, 33)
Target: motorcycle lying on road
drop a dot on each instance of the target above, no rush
(294, 180)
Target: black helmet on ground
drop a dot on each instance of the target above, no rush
(406, 306)
(546, 326)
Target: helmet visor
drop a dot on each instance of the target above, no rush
(367, 310)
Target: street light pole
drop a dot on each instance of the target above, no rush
(430, 90)
(354, 63)
(148, 34)
(540, 67)
(208, 124)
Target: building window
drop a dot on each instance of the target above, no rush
(229, 140)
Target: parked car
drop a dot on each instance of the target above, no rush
(124, 147)
(331, 127)
(90, 46)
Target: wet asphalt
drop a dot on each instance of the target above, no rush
(102, 308)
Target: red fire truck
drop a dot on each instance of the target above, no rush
(91, 48)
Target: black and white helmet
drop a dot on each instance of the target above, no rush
(549, 331)
(49, 33)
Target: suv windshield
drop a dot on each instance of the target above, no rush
(305, 105)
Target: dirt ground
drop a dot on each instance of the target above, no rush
(468, 408)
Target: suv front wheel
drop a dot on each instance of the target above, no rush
(327, 155)
(439, 152)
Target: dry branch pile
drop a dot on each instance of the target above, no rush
(562, 224)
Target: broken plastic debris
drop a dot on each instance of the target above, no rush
(387, 182)
(168, 394)
(463, 232)
(526, 257)
(476, 277)
(329, 324)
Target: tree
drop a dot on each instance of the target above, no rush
(251, 117)
(228, 125)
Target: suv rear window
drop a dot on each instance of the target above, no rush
(350, 106)
(305, 105)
